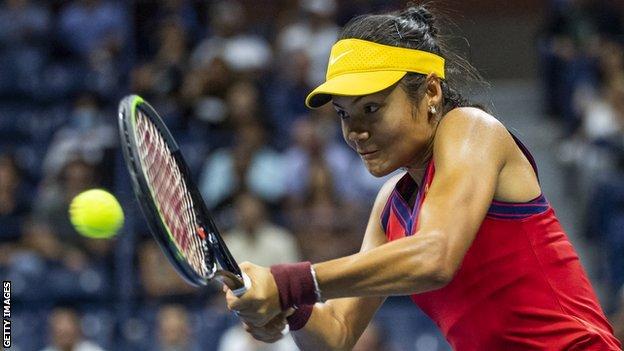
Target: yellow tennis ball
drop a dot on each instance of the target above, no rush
(96, 213)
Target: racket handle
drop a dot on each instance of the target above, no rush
(234, 282)
(243, 289)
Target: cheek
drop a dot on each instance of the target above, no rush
(345, 136)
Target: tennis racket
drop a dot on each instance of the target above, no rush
(170, 201)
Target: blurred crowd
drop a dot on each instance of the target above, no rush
(582, 53)
(229, 78)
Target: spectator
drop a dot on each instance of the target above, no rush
(314, 141)
(257, 240)
(243, 52)
(174, 330)
(88, 136)
(65, 333)
(203, 93)
(23, 22)
(568, 47)
(251, 164)
(316, 208)
(316, 25)
(285, 94)
(158, 278)
(41, 239)
(24, 30)
(160, 80)
(14, 199)
(88, 25)
(56, 194)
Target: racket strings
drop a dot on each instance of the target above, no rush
(170, 191)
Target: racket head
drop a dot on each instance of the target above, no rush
(160, 177)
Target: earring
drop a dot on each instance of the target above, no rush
(432, 110)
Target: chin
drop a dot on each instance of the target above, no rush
(378, 171)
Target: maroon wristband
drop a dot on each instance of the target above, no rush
(295, 284)
(299, 319)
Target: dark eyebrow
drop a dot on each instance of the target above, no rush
(353, 103)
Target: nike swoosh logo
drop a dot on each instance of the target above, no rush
(335, 59)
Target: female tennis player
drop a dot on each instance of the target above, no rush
(466, 230)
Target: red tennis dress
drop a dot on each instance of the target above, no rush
(520, 286)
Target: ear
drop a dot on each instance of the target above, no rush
(434, 91)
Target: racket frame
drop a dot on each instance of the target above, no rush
(214, 248)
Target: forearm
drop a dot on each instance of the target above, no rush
(402, 267)
(323, 331)
(337, 324)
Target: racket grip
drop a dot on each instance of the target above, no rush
(234, 282)
(243, 289)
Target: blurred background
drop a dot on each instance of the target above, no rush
(230, 78)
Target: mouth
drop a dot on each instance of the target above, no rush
(368, 154)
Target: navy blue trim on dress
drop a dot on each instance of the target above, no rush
(401, 210)
(527, 154)
(508, 210)
(407, 216)
(385, 216)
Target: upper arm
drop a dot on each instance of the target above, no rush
(469, 152)
(355, 313)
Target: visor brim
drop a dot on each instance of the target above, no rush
(353, 84)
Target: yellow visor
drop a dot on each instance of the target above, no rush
(360, 67)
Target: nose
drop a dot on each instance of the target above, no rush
(355, 136)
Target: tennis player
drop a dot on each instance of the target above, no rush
(466, 230)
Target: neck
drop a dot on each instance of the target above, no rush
(418, 166)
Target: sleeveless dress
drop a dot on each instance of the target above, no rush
(520, 286)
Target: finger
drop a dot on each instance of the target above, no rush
(245, 266)
(278, 323)
(267, 339)
(259, 333)
(251, 319)
(264, 335)
(233, 302)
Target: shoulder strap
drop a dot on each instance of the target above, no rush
(526, 153)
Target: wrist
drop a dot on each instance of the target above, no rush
(296, 284)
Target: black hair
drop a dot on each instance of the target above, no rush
(417, 28)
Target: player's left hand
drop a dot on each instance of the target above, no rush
(269, 333)
(260, 304)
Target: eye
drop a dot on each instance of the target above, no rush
(371, 108)
(342, 114)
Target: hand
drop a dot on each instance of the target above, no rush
(269, 333)
(260, 304)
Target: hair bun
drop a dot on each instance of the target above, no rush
(422, 15)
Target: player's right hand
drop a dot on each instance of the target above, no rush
(270, 332)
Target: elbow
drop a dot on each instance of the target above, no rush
(439, 276)
(437, 268)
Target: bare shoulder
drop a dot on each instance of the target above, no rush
(472, 125)
(471, 134)
(470, 119)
